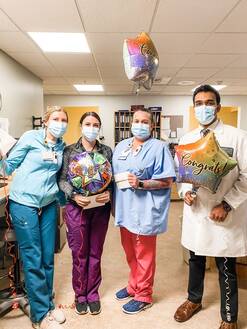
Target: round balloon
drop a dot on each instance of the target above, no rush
(203, 163)
(89, 173)
(141, 60)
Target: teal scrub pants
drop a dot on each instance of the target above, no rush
(35, 231)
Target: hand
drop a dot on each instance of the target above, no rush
(188, 198)
(218, 213)
(103, 197)
(1, 156)
(82, 201)
(133, 180)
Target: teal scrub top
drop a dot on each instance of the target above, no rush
(140, 211)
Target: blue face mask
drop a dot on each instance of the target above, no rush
(140, 130)
(205, 114)
(56, 128)
(90, 133)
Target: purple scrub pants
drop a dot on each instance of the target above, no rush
(86, 231)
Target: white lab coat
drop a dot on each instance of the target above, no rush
(201, 234)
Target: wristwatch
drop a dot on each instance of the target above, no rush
(141, 184)
(226, 206)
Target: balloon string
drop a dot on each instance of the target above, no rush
(228, 291)
(10, 245)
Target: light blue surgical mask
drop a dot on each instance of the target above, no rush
(57, 128)
(205, 114)
(140, 130)
(90, 133)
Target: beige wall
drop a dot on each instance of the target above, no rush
(22, 95)
(172, 105)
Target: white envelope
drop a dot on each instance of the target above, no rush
(93, 203)
(6, 142)
(121, 180)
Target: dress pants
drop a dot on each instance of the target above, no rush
(227, 280)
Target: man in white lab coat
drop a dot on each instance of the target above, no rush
(215, 224)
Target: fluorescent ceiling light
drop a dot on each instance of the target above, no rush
(89, 87)
(217, 87)
(186, 83)
(61, 42)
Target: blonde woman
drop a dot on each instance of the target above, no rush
(36, 159)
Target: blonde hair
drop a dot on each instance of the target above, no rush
(54, 108)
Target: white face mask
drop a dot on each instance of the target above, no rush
(56, 128)
(205, 114)
(90, 133)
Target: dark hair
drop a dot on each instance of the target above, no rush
(90, 114)
(147, 111)
(207, 89)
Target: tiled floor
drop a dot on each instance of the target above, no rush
(169, 290)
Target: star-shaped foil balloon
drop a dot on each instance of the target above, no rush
(203, 163)
(141, 60)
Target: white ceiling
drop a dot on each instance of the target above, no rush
(198, 40)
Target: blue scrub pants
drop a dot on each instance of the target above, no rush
(35, 234)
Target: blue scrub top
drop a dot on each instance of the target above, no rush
(143, 212)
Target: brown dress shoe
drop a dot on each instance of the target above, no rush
(227, 325)
(186, 310)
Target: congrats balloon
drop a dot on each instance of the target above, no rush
(89, 173)
(203, 163)
(141, 60)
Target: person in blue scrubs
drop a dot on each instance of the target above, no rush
(36, 160)
(141, 210)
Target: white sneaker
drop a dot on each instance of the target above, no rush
(58, 315)
(47, 323)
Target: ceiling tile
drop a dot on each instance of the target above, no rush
(44, 15)
(59, 87)
(16, 42)
(173, 60)
(78, 71)
(173, 90)
(225, 43)
(117, 15)
(120, 88)
(71, 60)
(108, 43)
(235, 73)
(192, 73)
(176, 80)
(179, 43)
(5, 23)
(106, 60)
(54, 81)
(190, 15)
(29, 59)
(236, 21)
(113, 72)
(44, 71)
(82, 80)
(241, 61)
(228, 81)
(218, 61)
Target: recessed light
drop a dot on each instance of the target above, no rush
(217, 87)
(61, 42)
(89, 87)
(186, 83)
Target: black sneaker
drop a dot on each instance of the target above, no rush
(94, 307)
(81, 308)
